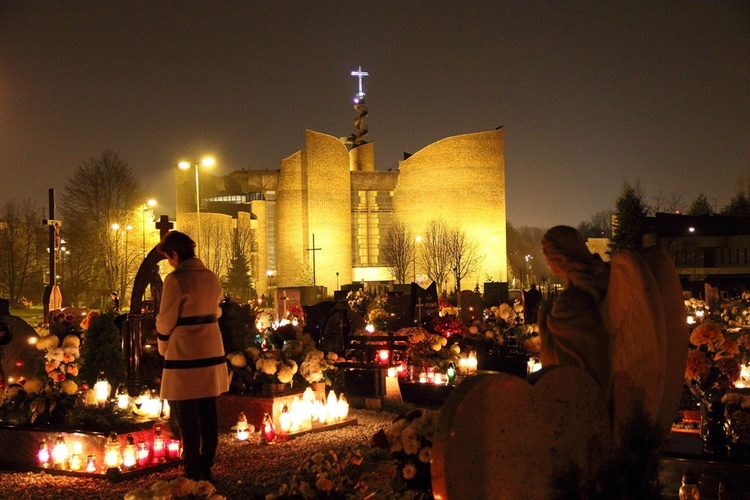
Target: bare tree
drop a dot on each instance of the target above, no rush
(102, 192)
(435, 255)
(398, 254)
(20, 233)
(464, 256)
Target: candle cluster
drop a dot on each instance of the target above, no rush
(115, 457)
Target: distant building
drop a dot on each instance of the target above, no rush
(710, 249)
(334, 194)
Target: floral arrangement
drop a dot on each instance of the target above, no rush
(737, 312)
(448, 327)
(363, 302)
(446, 309)
(58, 395)
(318, 366)
(177, 488)
(429, 349)
(378, 317)
(295, 313)
(409, 440)
(326, 475)
(713, 363)
(696, 309)
(274, 366)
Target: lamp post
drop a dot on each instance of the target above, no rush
(149, 203)
(185, 165)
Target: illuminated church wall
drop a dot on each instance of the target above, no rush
(336, 194)
(461, 180)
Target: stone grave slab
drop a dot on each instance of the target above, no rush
(500, 437)
(471, 307)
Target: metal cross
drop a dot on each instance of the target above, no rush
(359, 74)
(313, 250)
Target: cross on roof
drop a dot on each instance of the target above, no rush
(359, 73)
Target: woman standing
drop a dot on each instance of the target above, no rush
(195, 370)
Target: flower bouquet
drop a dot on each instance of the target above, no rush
(275, 367)
(430, 350)
(318, 367)
(409, 440)
(326, 475)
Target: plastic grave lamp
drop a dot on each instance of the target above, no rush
(463, 365)
(173, 449)
(123, 398)
(383, 356)
(343, 407)
(438, 379)
(143, 454)
(60, 452)
(450, 373)
(269, 431)
(392, 372)
(331, 407)
(76, 459)
(102, 389)
(91, 463)
(129, 453)
(690, 320)
(285, 420)
(472, 362)
(423, 377)
(112, 454)
(43, 455)
(241, 427)
(158, 450)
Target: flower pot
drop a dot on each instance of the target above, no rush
(275, 389)
(712, 429)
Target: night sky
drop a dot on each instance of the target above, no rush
(590, 94)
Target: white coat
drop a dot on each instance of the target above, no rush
(194, 359)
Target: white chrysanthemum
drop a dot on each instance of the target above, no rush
(237, 359)
(47, 342)
(253, 352)
(71, 341)
(266, 365)
(285, 374)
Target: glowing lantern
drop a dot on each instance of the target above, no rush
(285, 420)
(342, 406)
(423, 377)
(269, 431)
(308, 395)
(102, 389)
(173, 449)
(43, 454)
(383, 356)
(450, 373)
(158, 444)
(60, 452)
(437, 378)
(112, 455)
(331, 408)
(242, 432)
(123, 398)
(472, 362)
(392, 372)
(143, 454)
(463, 365)
(129, 453)
(76, 459)
(90, 463)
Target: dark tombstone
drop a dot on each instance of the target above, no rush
(337, 328)
(400, 310)
(237, 326)
(340, 295)
(471, 307)
(495, 293)
(425, 302)
(19, 357)
(316, 316)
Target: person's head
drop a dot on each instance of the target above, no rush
(176, 247)
(561, 245)
(113, 295)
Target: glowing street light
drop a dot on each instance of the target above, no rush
(185, 165)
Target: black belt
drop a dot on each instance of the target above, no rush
(196, 320)
(193, 363)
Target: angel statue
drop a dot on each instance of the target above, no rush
(623, 322)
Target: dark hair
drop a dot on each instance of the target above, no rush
(175, 241)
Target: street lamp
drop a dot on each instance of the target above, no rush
(185, 165)
(150, 203)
